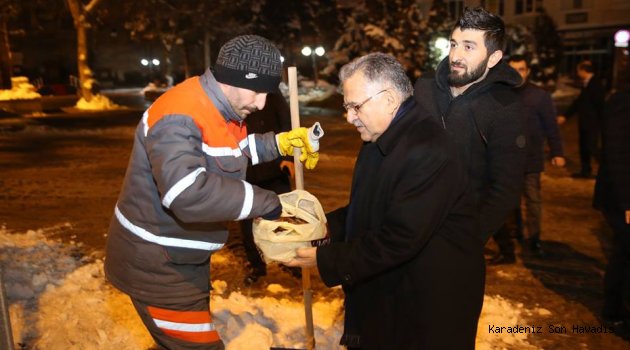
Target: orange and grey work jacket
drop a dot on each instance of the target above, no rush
(184, 182)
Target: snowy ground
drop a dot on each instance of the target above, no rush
(58, 181)
(58, 296)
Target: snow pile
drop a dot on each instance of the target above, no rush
(565, 88)
(21, 89)
(60, 300)
(55, 301)
(97, 103)
(308, 91)
(270, 321)
(499, 312)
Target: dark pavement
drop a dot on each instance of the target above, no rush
(67, 170)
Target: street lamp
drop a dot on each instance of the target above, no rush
(319, 51)
(622, 37)
(147, 63)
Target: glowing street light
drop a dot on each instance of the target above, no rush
(443, 45)
(153, 62)
(622, 37)
(319, 51)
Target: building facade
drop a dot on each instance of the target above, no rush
(586, 27)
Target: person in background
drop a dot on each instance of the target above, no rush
(274, 176)
(541, 126)
(185, 181)
(406, 249)
(588, 107)
(472, 97)
(612, 198)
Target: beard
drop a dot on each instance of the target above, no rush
(467, 77)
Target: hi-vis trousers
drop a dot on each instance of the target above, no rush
(189, 327)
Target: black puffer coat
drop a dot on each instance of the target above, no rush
(487, 122)
(612, 189)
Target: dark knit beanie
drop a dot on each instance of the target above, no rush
(249, 62)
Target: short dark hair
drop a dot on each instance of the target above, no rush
(586, 66)
(518, 58)
(478, 18)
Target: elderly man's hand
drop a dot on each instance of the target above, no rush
(305, 257)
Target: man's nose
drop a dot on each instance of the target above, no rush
(455, 54)
(351, 116)
(260, 100)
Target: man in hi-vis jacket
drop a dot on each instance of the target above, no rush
(185, 181)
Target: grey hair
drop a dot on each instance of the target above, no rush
(379, 68)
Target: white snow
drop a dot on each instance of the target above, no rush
(21, 89)
(58, 297)
(97, 103)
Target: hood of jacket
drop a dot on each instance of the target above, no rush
(502, 73)
(218, 98)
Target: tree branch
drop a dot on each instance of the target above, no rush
(91, 5)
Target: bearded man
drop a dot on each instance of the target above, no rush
(471, 96)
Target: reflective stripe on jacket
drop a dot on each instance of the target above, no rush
(184, 181)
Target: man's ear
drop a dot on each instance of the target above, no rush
(495, 58)
(392, 101)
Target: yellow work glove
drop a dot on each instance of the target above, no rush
(298, 137)
(309, 159)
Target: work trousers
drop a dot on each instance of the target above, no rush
(588, 139)
(533, 206)
(180, 327)
(533, 217)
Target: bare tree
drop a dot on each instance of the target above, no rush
(8, 9)
(189, 25)
(80, 16)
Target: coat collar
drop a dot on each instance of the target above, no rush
(218, 98)
(502, 73)
(389, 139)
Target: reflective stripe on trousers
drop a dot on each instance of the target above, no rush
(186, 326)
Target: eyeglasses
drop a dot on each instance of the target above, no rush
(357, 107)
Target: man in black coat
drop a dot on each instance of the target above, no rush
(273, 176)
(541, 126)
(471, 96)
(407, 249)
(588, 106)
(612, 198)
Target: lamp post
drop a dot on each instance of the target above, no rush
(621, 59)
(319, 51)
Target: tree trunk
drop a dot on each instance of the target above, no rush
(5, 55)
(85, 73)
(79, 15)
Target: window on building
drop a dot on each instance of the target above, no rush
(526, 6)
(494, 6)
(455, 7)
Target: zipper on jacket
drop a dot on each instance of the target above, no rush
(448, 109)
